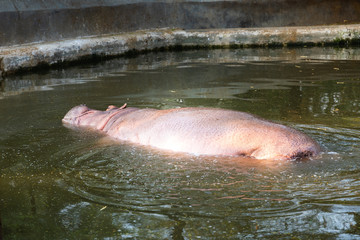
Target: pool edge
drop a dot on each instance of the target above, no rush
(18, 58)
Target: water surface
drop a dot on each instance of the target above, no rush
(60, 183)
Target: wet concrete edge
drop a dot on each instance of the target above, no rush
(29, 21)
(15, 59)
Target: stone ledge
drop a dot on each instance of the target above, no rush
(29, 56)
(29, 21)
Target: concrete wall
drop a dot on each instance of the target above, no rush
(27, 21)
(38, 33)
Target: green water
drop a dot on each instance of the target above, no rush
(60, 183)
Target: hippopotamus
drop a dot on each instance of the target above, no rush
(200, 131)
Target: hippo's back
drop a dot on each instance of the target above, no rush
(212, 131)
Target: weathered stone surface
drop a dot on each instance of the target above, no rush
(29, 56)
(38, 32)
(27, 21)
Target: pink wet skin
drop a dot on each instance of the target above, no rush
(203, 131)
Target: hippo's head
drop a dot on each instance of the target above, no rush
(74, 115)
(83, 116)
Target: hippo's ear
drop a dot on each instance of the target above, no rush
(123, 106)
(110, 107)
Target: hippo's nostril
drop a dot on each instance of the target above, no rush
(67, 120)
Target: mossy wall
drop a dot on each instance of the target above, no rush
(27, 21)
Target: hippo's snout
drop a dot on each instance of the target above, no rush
(75, 113)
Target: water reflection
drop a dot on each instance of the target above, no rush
(59, 183)
(14, 87)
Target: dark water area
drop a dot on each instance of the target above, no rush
(60, 183)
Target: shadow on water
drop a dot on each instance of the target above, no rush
(60, 183)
